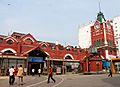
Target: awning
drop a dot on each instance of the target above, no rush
(64, 60)
(12, 57)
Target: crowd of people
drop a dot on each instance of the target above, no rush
(20, 73)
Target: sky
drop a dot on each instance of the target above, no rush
(53, 20)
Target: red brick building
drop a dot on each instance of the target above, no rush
(24, 49)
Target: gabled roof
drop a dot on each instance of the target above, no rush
(12, 38)
(30, 50)
(3, 36)
(17, 35)
(34, 48)
(29, 36)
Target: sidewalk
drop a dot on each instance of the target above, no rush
(25, 77)
(4, 77)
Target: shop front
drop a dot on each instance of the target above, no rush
(7, 61)
(36, 60)
(61, 66)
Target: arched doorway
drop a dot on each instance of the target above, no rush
(36, 60)
(5, 62)
(70, 64)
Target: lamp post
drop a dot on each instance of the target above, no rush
(88, 64)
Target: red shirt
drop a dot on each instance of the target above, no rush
(50, 70)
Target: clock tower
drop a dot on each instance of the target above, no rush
(102, 37)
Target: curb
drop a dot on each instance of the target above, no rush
(4, 77)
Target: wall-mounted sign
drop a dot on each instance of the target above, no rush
(35, 59)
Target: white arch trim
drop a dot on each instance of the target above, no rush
(29, 38)
(6, 49)
(68, 55)
(47, 53)
(10, 39)
(43, 44)
(102, 57)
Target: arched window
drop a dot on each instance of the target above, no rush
(28, 41)
(10, 42)
(68, 48)
(98, 42)
(68, 57)
(43, 46)
(8, 52)
(102, 41)
(1, 39)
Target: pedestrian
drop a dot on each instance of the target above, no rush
(11, 75)
(33, 72)
(110, 72)
(39, 71)
(20, 75)
(50, 74)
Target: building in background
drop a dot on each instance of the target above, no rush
(116, 27)
(100, 35)
(85, 36)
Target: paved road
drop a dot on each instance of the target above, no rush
(67, 81)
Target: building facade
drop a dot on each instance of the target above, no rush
(23, 49)
(116, 26)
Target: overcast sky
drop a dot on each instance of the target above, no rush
(52, 20)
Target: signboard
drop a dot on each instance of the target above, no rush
(58, 71)
(35, 59)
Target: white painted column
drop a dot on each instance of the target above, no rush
(107, 55)
(105, 35)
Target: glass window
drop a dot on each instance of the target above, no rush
(12, 62)
(20, 62)
(102, 41)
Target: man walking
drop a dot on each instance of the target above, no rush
(33, 71)
(50, 74)
(20, 75)
(39, 71)
(110, 72)
(11, 75)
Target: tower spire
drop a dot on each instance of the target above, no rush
(99, 6)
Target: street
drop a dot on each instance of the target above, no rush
(70, 80)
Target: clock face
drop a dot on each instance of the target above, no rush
(97, 26)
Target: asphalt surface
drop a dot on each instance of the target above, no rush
(69, 80)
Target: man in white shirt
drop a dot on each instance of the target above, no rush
(11, 75)
(33, 71)
(39, 71)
